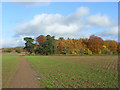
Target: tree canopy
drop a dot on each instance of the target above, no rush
(48, 45)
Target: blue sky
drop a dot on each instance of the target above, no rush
(90, 16)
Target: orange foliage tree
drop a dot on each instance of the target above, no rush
(41, 39)
(95, 44)
(112, 45)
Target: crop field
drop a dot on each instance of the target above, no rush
(76, 71)
(9, 67)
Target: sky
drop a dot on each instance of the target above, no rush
(61, 19)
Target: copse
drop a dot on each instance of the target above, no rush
(48, 45)
(7, 50)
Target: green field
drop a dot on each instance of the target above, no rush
(76, 71)
(9, 67)
(66, 71)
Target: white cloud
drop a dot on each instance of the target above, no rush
(99, 20)
(61, 29)
(8, 43)
(113, 31)
(54, 24)
(58, 25)
(78, 15)
(13, 42)
(110, 33)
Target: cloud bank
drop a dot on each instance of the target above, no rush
(99, 20)
(111, 33)
(56, 24)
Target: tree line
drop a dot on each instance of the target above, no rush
(16, 49)
(48, 45)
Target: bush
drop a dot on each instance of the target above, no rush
(39, 50)
(18, 50)
(81, 51)
(88, 52)
(63, 52)
(75, 51)
(106, 51)
(9, 50)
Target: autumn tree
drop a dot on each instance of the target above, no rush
(64, 46)
(46, 45)
(69, 46)
(95, 44)
(105, 50)
(40, 39)
(61, 47)
(112, 45)
(118, 48)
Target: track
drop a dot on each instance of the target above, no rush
(25, 76)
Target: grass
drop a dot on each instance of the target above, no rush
(9, 67)
(76, 71)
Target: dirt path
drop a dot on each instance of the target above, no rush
(25, 76)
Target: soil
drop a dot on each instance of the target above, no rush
(25, 76)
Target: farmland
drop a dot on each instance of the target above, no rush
(9, 68)
(75, 71)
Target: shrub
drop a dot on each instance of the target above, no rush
(88, 52)
(106, 51)
(9, 50)
(81, 51)
(18, 50)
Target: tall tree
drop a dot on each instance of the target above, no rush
(50, 40)
(41, 39)
(95, 44)
(29, 45)
(112, 45)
